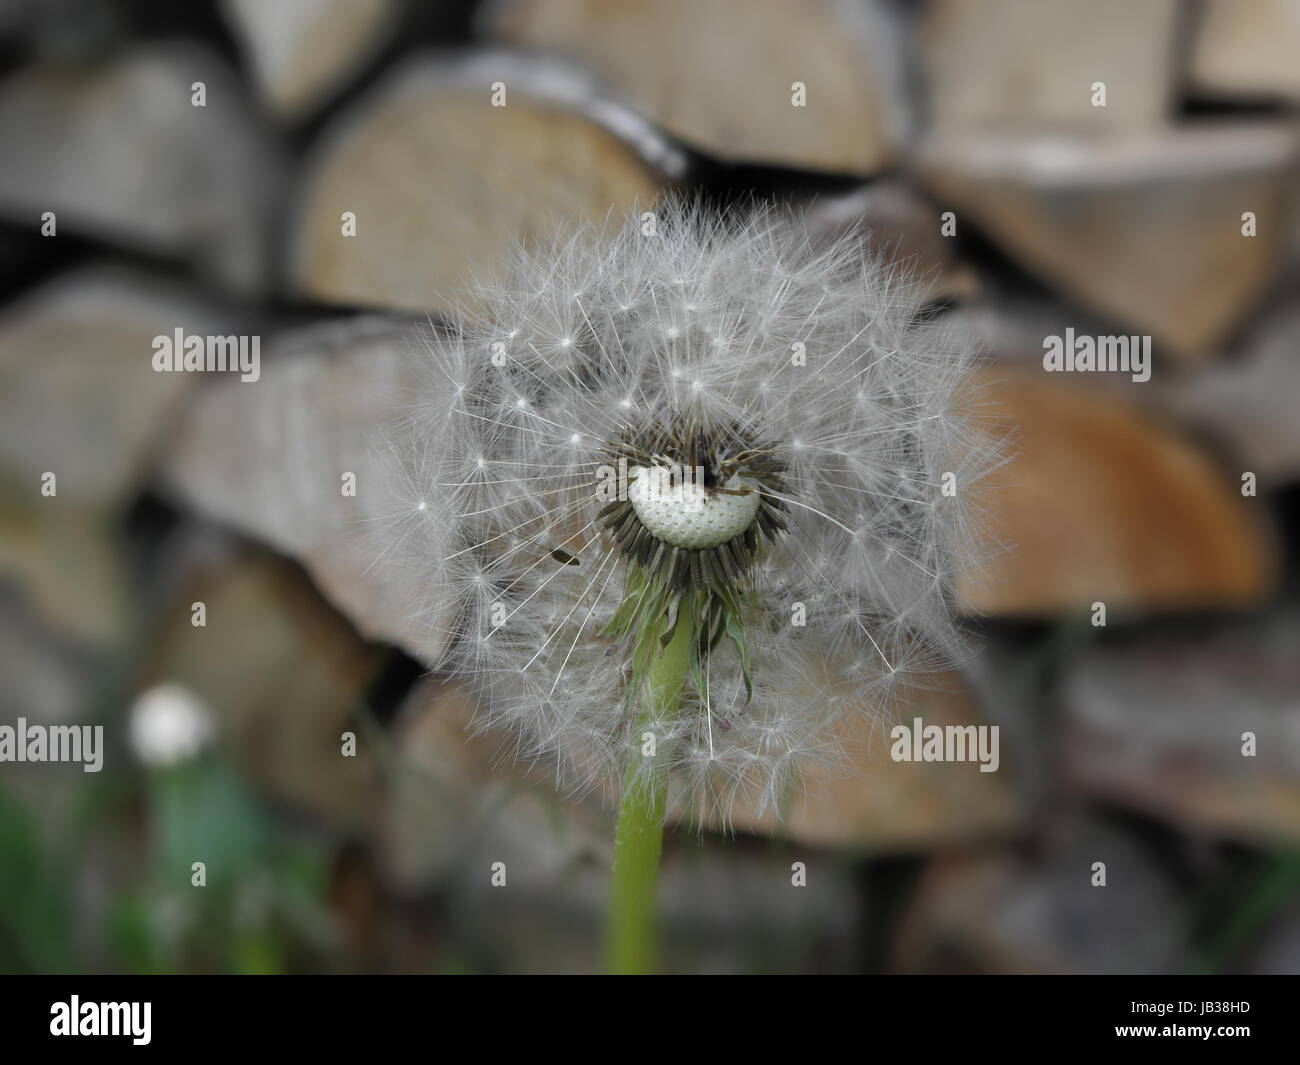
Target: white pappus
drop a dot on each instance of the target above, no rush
(799, 417)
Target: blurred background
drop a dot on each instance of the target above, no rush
(325, 173)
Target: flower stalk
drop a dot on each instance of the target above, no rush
(638, 839)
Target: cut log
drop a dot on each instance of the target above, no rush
(1047, 912)
(282, 672)
(1199, 728)
(79, 396)
(270, 458)
(117, 149)
(300, 50)
(1003, 63)
(725, 75)
(438, 184)
(1100, 503)
(1247, 49)
(1151, 230)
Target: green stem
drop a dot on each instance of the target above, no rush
(638, 839)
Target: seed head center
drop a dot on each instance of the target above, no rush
(682, 512)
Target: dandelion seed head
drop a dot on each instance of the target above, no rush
(169, 724)
(808, 488)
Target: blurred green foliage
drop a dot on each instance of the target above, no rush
(261, 907)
